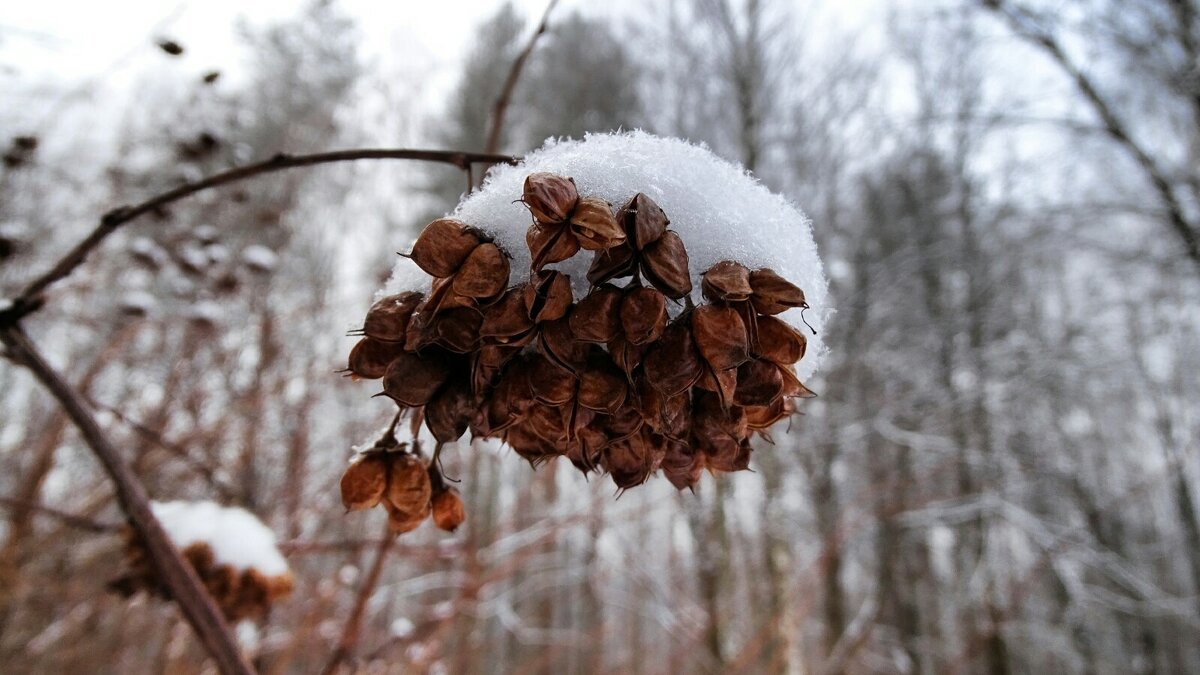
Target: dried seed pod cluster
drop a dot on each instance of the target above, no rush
(613, 382)
(244, 585)
(400, 481)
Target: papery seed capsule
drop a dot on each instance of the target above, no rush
(507, 321)
(409, 487)
(595, 226)
(369, 359)
(776, 341)
(458, 330)
(644, 221)
(549, 383)
(557, 343)
(448, 510)
(400, 521)
(484, 274)
(550, 244)
(792, 386)
(774, 294)
(720, 336)
(548, 296)
(614, 263)
(412, 380)
(597, 318)
(759, 383)
(726, 281)
(643, 315)
(673, 363)
(443, 246)
(449, 412)
(602, 386)
(665, 264)
(364, 482)
(387, 320)
(550, 197)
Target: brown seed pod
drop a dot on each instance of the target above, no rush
(400, 521)
(363, 482)
(387, 320)
(409, 487)
(556, 342)
(549, 383)
(627, 355)
(643, 315)
(774, 294)
(644, 221)
(484, 273)
(759, 383)
(726, 281)
(682, 465)
(507, 321)
(720, 336)
(792, 386)
(448, 509)
(613, 263)
(764, 417)
(550, 197)
(443, 246)
(457, 330)
(486, 365)
(412, 379)
(550, 244)
(595, 226)
(548, 296)
(602, 386)
(449, 412)
(673, 365)
(665, 265)
(369, 358)
(776, 341)
(597, 318)
(723, 383)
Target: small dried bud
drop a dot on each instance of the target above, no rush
(483, 274)
(549, 197)
(364, 482)
(665, 264)
(726, 281)
(595, 226)
(387, 320)
(774, 294)
(443, 246)
(448, 509)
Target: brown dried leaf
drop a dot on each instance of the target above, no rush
(364, 482)
(369, 359)
(726, 281)
(484, 273)
(387, 320)
(665, 264)
(778, 341)
(597, 318)
(548, 296)
(412, 379)
(550, 197)
(643, 220)
(673, 365)
(720, 336)
(774, 294)
(595, 226)
(443, 246)
(643, 315)
(550, 244)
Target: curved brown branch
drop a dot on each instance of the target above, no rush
(353, 627)
(510, 83)
(30, 299)
(176, 574)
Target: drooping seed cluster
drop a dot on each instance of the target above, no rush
(240, 593)
(390, 475)
(611, 382)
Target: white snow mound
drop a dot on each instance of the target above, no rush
(236, 536)
(719, 210)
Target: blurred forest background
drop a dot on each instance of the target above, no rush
(1000, 474)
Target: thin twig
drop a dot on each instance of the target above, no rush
(30, 299)
(350, 633)
(510, 83)
(78, 522)
(175, 573)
